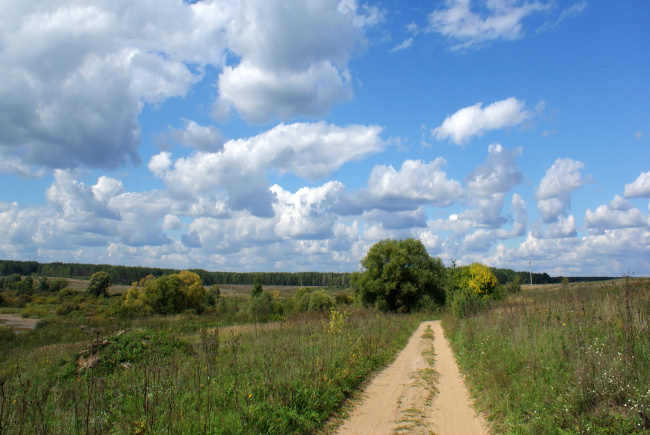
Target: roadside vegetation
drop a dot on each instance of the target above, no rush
(569, 358)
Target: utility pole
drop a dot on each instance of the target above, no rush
(530, 264)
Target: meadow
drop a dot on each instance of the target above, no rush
(86, 372)
(572, 358)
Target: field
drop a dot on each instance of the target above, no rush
(561, 358)
(83, 372)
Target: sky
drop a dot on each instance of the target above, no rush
(291, 135)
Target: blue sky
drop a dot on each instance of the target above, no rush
(263, 135)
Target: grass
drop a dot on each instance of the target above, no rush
(561, 359)
(188, 374)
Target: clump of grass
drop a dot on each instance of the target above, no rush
(571, 359)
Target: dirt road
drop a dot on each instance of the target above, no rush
(399, 400)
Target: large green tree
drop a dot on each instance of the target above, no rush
(399, 275)
(99, 283)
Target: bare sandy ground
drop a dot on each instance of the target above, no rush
(17, 322)
(399, 400)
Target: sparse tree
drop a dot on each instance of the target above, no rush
(258, 286)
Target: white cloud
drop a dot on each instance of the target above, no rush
(640, 187)
(261, 96)
(397, 220)
(308, 150)
(501, 19)
(403, 45)
(498, 175)
(306, 214)
(203, 138)
(292, 64)
(554, 190)
(76, 75)
(474, 120)
(416, 183)
(571, 11)
(618, 214)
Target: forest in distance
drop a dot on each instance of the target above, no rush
(125, 275)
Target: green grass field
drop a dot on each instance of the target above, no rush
(188, 373)
(561, 359)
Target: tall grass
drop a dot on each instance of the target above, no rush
(276, 378)
(573, 358)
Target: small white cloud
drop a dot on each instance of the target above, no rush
(571, 11)
(203, 138)
(619, 214)
(404, 45)
(466, 28)
(475, 120)
(498, 175)
(416, 182)
(554, 190)
(639, 188)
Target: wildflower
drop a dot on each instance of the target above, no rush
(250, 395)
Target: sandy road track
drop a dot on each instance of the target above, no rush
(398, 400)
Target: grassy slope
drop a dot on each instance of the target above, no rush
(572, 359)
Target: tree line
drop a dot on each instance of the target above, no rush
(126, 275)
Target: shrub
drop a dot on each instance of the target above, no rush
(21, 301)
(514, 286)
(58, 284)
(467, 302)
(343, 299)
(320, 301)
(66, 293)
(260, 308)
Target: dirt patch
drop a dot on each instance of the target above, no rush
(17, 322)
(412, 397)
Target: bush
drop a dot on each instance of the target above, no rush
(467, 302)
(514, 286)
(343, 299)
(67, 308)
(66, 293)
(260, 308)
(320, 301)
(58, 284)
(22, 301)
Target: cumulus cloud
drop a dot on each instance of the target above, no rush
(555, 188)
(639, 188)
(291, 64)
(307, 213)
(203, 138)
(308, 150)
(500, 19)
(75, 75)
(498, 175)
(618, 214)
(475, 120)
(415, 184)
